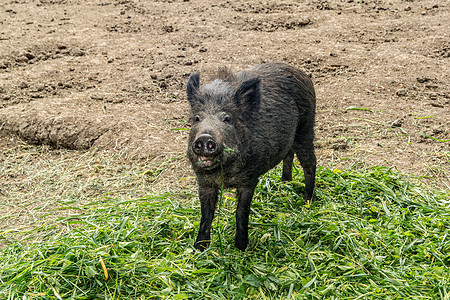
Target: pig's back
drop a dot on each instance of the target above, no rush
(287, 100)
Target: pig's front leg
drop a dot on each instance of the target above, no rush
(244, 195)
(208, 200)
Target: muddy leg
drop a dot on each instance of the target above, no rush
(287, 166)
(307, 158)
(244, 195)
(208, 200)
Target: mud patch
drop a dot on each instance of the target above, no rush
(60, 124)
(258, 7)
(41, 52)
(272, 23)
(54, 124)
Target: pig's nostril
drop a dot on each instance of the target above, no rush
(197, 147)
(211, 145)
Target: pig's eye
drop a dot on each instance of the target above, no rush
(227, 119)
(196, 119)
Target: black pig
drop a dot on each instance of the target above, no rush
(243, 125)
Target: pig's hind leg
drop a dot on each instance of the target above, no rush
(287, 166)
(304, 148)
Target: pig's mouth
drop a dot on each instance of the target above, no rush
(208, 162)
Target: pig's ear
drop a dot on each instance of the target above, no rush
(192, 86)
(247, 94)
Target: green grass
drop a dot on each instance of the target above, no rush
(371, 235)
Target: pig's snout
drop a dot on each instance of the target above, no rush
(205, 146)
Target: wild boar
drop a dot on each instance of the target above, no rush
(242, 125)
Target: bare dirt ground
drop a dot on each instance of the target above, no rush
(109, 75)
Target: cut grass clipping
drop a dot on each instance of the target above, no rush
(370, 235)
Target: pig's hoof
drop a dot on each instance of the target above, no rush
(201, 246)
(286, 178)
(241, 244)
(310, 199)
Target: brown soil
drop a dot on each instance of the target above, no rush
(110, 74)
